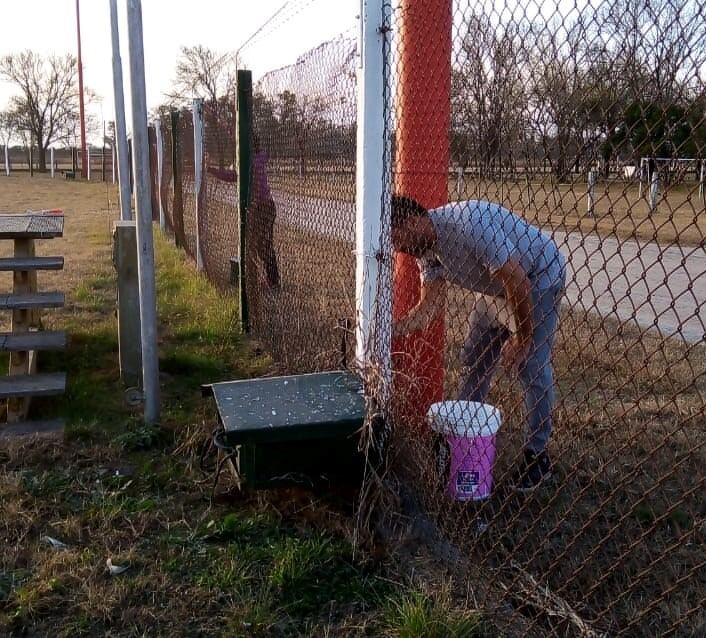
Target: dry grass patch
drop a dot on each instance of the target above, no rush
(198, 564)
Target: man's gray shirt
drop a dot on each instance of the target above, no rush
(476, 238)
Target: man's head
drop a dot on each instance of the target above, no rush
(412, 231)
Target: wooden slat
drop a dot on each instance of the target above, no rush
(31, 263)
(32, 428)
(32, 300)
(31, 226)
(26, 341)
(32, 385)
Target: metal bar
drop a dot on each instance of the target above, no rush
(590, 194)
(82, 110)
(120, 145)
(370, 181)
(51, 160)
(654, 190)
(422, 161)
(178, 202)
(160, 170)
(7, 161)
(145, 247)
(197, 115)
(112, 157)
(244, 135)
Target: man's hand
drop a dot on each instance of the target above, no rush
(514, 352)
(431, 303)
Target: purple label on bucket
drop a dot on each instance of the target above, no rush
(467, 482)
(470, 467)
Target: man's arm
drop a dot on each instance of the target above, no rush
(517, 288)
(431, 303)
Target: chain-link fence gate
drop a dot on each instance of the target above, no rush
(584, 121)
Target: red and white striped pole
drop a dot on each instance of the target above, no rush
(424, 107)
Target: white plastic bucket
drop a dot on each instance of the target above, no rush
(469, 429)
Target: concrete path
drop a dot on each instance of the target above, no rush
(657, 287)
(653, 286)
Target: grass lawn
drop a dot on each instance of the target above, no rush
(198, 564)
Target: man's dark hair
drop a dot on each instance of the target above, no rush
(405, 207)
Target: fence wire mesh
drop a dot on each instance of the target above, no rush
(558, 167)
(218, 219)
(302, 209)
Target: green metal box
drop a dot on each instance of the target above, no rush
(292, 429)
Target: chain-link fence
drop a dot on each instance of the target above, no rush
(550, 264)
(302, 221)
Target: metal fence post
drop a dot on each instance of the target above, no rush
(145, 247)
(244, 136)
(370, 189)
(197, 115)
(591, 193)
(160, 170)
(120, 133)
(51, 161)
(178, 201)
(88, 163)
(654, 190)
(701, 179)
(7, 160)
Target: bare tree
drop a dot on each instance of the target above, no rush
(658, 44)
(7, 127)
(487, 95)
(48, 98)
(204, 73)
(298, 117)
(201, 72)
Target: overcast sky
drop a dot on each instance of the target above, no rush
(49, 26)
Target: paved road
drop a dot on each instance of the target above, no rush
(657, 287)
(654, 286)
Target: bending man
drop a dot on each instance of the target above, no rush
(487, 249)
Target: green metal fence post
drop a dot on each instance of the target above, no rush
(244, 137)
(178, 201)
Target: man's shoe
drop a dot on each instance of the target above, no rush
(535, 469)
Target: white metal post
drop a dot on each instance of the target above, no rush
(51, 160)
(7, 160)
(88, 162)
(112, 159)
(160, 169)
(654, 190)
(120, 140)
(590, 195)
(701, 179)
(197, 115)
(373, 250)
(145, 245)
